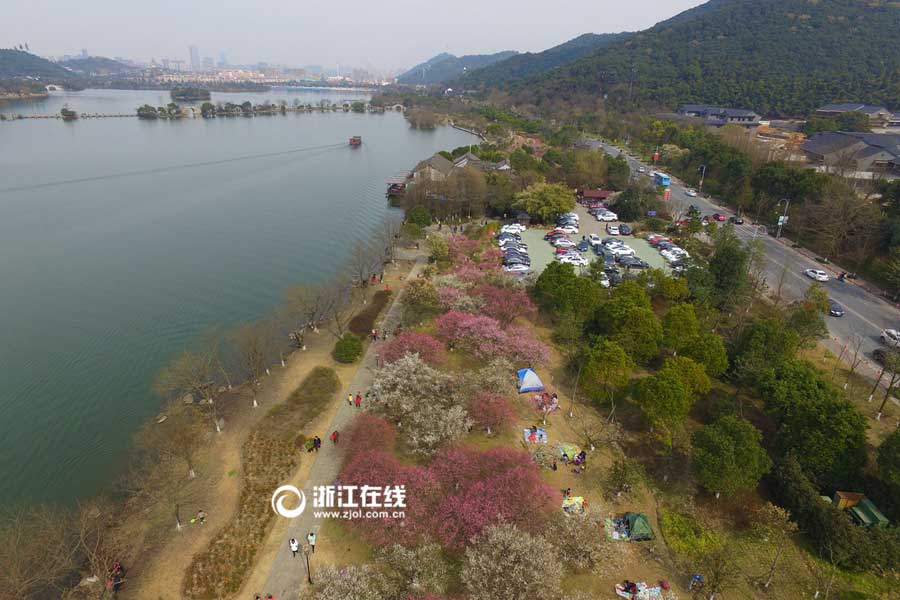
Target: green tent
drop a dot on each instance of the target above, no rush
(639, 526)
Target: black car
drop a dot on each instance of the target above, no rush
(878, 354)
(736, 220)
(835, 309)
(664, 245)
(615, 277)
(693, 211)
(583, 246)
(606, 256)
(633, 262)
(517, 260)
(554, 236)
(625, 229)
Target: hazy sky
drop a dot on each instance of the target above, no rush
(377, 33)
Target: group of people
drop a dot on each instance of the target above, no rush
(376, 336)
(295, 545)
(358, 400)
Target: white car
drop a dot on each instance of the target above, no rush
(672, 256)
(517, 269)
(691, 192)
(623, 250)
(642, 170)
(607, 215)
(564, 243)
(570, 215)
(816, 274)
(891, 337)
(594, 239)
(570, 229)
(612, 229)
(514, 228)
(574, 260)
(604, 280)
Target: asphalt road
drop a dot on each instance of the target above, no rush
(865, 315)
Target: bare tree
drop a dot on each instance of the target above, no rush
(94, 543)
(338, 312)
(389, 237)
(365, 261)
(162, 483)
(194, 373)
(37, 551)
(773, 526)
(252, 342)
(178, 437)
(856, 356)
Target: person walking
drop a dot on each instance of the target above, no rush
(317, 443)
(311, 538)
(358, 399)
(201, 516)
(350, 398)
(334, 437)
(295, 546)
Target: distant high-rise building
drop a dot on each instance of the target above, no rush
(195, 57)
(223, 60)
(165, 64)
(84, 53)
(208, 64)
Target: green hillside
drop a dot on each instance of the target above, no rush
(18, 63)
(778, 57)
(447, 67)
(522, 65)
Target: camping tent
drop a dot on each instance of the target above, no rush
(568, 450)
(639, 527)
(529, 381)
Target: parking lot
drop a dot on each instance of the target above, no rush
(542, 253)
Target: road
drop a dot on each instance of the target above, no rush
(865, 315)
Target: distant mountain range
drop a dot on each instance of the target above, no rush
(447, 67)
(18, 63)
(777, 57)
(96, 64)
(523, 65)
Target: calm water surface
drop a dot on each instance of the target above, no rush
(103, 280)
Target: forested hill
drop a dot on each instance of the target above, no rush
(522, 65)
(96, 64)
(778, 57)
(18, 63)
(447, 67)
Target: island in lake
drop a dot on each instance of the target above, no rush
(190, 94)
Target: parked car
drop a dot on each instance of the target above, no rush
(583, 246)
(564, 242)
(633, 262)
(554, 232)
(816, 274)
(513, 227)
(691, 192)
(835, 309)
(625, 229)
(570, 228)
(604, 280)
(612, 229)
(693, 211)
(607, 215)
(603, 253)
(737, 220)
(890, 337)
(718, 217)
(642, 169)
(517, 269)
(615, 277)
(573, 260)
(594, 239)
(620, 251)
(570, 215)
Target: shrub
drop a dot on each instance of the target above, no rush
(687, 538)
(728, 456)
(418, 215)
(347, 349)
(428, 348)
(491, 412)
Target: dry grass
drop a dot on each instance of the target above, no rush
(362, 324)
(270, 456)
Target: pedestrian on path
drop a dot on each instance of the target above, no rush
(350, 398)
(334, 437)
(295, 546)
(201, 516)
(311, 538)
(374, 335)
(317, 443)
(358, 399)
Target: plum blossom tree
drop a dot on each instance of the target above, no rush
(367, 433)
(428, 348)
(505, 305)
(506, 563)
(483, 337)
(491, 412)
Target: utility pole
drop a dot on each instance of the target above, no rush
(783, 218)
(702, 170)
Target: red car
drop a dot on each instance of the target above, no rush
(718, 217)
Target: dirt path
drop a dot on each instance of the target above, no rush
(277, 571)
(162, 576)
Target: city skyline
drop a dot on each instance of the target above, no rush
(356, 35)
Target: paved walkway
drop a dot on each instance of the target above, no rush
(286, 577)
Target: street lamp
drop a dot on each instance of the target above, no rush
(783, 218)
(306, 552)
(702, 170)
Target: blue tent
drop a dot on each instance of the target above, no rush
(529, 381)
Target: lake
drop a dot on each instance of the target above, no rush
(106, 278)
